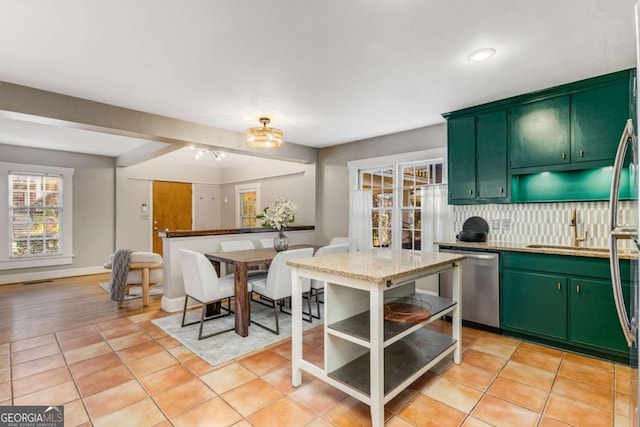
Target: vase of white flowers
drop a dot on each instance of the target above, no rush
(278, 216)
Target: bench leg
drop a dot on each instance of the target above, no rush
(145, 287)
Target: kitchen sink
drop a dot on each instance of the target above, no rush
(569, 248)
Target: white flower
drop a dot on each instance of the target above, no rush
(281, 214)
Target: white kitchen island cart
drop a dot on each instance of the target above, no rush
(366, 356)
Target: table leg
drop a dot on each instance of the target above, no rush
(241, 277)
(296, 328)
(214, 308)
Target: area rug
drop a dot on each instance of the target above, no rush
(229, 345)
(135, 291)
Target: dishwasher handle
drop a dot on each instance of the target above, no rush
(472, 255)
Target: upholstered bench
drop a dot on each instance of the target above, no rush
(145, 269)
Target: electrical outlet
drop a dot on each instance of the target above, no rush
(495, 224)
(506, 224)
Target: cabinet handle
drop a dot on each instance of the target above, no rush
(501, 190)
(558, 285)
(581, 153)
(470, 191)
(578, 289)
(564, 155)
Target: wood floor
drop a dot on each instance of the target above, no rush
(28, 311)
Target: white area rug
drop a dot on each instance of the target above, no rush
(229, 345)
(135, 291)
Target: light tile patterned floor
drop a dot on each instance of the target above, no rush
(129, 372)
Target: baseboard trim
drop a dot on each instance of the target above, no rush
(53, 274)
(172, 305)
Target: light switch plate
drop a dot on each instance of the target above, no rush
(506, 224)
(495, 224)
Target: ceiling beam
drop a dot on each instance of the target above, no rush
(34, 105)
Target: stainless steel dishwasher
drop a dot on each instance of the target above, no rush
(480, 286)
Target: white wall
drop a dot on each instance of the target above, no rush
(332, 217)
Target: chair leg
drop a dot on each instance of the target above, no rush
(184, 312)
(315, 291)
(274, 304)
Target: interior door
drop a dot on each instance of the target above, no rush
(172, 203)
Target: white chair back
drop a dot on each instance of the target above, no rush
(328, 250)
(199, 276)
(236, 245)
(279, 276)
(266, 243)
(340, 241)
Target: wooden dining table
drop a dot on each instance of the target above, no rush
(242, 262)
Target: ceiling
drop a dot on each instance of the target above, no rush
(326, 72)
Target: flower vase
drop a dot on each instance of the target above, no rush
(280, 242)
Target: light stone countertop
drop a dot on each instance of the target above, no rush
(377, 265)
(537, 249)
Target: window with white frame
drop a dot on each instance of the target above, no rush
(37, 226)
(247, 202)
(35, 214)
(396, 189)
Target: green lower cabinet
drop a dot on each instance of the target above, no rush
(535, 303)
(563, 300)
(594, 320)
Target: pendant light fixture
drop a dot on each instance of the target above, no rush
(264, 137)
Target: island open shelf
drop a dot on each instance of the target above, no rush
(359, 326)
(365, 356)
(404, 361)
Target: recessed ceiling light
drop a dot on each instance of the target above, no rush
(481, 54)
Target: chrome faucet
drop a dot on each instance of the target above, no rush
(575, 240)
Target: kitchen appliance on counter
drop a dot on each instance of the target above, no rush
(628, 147)
(480, 287)
(474, 229)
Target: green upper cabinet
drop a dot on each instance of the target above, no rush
(540, 133)
(462, 158)
(491, 148)
(598, 117)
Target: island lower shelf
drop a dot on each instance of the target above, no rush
(407, 358)
(358, 326)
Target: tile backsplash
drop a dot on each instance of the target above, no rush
(545, 223)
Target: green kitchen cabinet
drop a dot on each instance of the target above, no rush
(594, 320)
(477, 149)
(535, 303)
(598, 117)
(462, 158)
(491, 159)
(566, 300)
(540, 133)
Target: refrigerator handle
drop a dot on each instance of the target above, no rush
(618, 296)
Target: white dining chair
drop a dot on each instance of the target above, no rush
(239, 245)
(317, 286)
(340, 241)
(266, 243)
(202, 284)
(276, 284)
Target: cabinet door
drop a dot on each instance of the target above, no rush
(462, 158)
(599, 115)
(594, 320)
(534, 303)
(491, 147)
(540, 133)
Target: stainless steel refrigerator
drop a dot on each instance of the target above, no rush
(625, 236)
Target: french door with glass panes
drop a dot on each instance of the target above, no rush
(399, 224)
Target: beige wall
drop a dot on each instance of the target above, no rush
(332, 218)
(93, 202)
